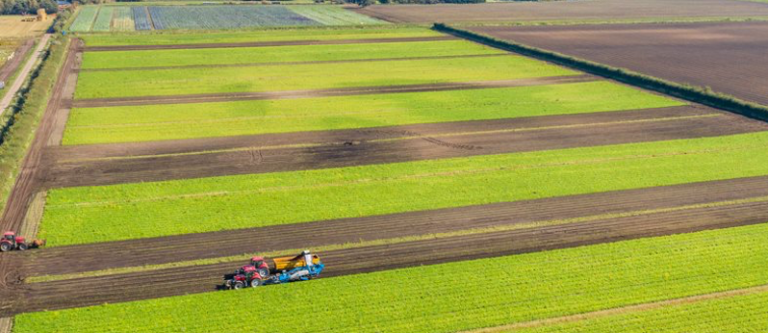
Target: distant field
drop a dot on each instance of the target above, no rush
(174, 38)
(480, 293)
(276, 54)
(107, 213)
(11, 26)
(308, 76)
(182, 121)
(212, 17)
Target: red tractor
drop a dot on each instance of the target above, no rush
(251, 274)
(11, 242)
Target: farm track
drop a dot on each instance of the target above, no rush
(203, 278)
(79, 166)
(262, 44)
(294, 94)
(701, 54)
(573, 10)
(290, 63)
(20, 54)
(26, 182)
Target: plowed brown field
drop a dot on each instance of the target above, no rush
(564, 10)
(728, 57)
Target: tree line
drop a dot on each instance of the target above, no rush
(20, 7)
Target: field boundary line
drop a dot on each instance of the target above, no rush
(403, 239)
(317, 93)
(625, 309)
(263, 44)
(291, 63)
(687, 92)
(408, 136)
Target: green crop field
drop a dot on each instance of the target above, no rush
(309, 76)
(332, 15)
(277, 54)
(463, 295)
(183, 121)
(175, 38)
(104, 20)
(108, 213)
(85, 19)
(744, 313)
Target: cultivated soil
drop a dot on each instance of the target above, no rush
(153, 161)
(475, 231)
(7, 69)
(599, 225)
(728, 57)
(565, 10)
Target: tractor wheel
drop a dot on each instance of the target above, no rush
(256, 282)
(239, 285)
(5, 247)
(264, 272)
(23, 247)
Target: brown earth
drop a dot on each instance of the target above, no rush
(164, 282)
(81, 166)
(261, 44)
(292, 94)
(565, 10)
(26, 184)
(728, 57)
(7, 69)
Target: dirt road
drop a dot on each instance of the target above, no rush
(12, 89)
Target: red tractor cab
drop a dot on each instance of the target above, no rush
(11, 242)
(261, 265)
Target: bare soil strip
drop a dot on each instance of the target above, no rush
(63, 154)
(257, 64)
(701, 54)
(262, 44)
(362, 148)
(625, 310)
(293, 94)
(161, 283)
(26, 183)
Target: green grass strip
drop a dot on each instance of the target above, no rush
(276, 54)
(309, 76)
(184, 121)
(454, 296)
(263, 35)
(107, 213)
(740, 313)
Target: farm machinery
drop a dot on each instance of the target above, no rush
(11, 242)
(265, 271)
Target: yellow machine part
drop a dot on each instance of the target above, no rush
(289, 263)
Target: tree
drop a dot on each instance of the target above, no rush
(362, 3)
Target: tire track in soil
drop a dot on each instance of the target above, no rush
(295, 94)
(262, 44)
(205, 278)
(359, 147)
